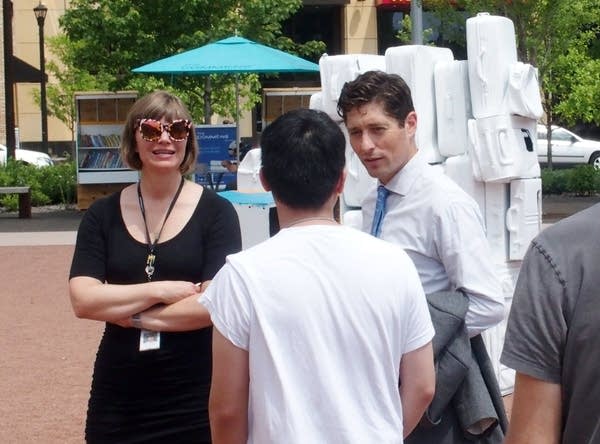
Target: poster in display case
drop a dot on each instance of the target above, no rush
(216, 145)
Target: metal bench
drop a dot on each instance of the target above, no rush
(24, 199)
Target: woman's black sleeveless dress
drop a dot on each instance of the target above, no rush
(156, 395)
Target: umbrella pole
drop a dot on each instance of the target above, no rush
(237, 120)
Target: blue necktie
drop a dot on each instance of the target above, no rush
(382, 194)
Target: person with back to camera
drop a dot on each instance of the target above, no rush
(141, 258)
(314, 326)
(553, 336)
(418, 207)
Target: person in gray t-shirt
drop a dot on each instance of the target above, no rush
(553, 335)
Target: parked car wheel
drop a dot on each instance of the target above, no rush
(595, 160)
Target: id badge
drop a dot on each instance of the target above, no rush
(149, 340)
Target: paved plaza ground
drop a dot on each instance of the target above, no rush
(46, 353)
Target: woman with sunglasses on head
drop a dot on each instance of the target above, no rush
(141, 259)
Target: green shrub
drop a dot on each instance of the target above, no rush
(583, 180)
(59, 182)
(54, 184)
(555, 181)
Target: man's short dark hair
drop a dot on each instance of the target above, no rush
(377, 86)
(303, 157)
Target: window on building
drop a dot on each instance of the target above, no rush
(449, 34)
(316, 20)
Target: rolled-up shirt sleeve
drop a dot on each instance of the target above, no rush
(465, 253)
(229, 305)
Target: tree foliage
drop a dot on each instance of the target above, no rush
(70, 79)
(108, 38)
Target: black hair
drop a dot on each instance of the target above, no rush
(377, 86)
(303, 157)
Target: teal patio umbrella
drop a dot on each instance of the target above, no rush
(233, 55)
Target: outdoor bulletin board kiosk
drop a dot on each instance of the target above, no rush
(100, 169)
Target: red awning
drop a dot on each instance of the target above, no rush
(399, 5)
(324, 2)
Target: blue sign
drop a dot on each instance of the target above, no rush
(216, 148)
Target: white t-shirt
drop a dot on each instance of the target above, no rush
(440, 227)
(326, 313)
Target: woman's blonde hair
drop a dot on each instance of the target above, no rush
(157, 105)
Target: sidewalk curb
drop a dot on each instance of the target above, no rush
(37, 238)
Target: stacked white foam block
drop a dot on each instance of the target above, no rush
(494, 337)
(502, 141)
(254, 218)
(491, 49)
(254, 223)
(502, 135)
(503, 148)
(453, 106)
(523, 218)
(336, 70)
(248, 173)
(416, 64)
(458, 168)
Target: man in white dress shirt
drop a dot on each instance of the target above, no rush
(418, 207)
(436, 222)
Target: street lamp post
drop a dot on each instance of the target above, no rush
(40, 12)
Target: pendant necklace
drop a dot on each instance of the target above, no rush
(306, 219)
(152, 245)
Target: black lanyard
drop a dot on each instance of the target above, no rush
(152, 245)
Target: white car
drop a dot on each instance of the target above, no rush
(568, 149)
(28, 156)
